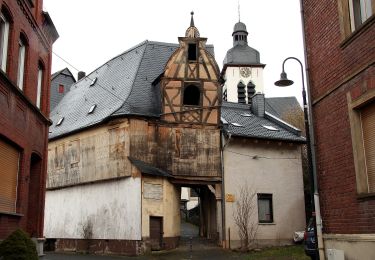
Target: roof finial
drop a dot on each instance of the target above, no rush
(192, 19)
(239, 11)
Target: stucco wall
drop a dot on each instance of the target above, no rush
(114, 207)
(167, 206)
(277, 170)
(233, 77)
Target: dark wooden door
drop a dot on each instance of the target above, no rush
(156, 232)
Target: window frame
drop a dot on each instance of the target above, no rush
(354, 112)
(21, 63)
(39, 86)
(4, 40)
(269, 198)
(355, 14)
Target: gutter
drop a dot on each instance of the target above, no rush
(318, 216)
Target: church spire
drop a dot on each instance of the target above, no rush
(192, 19)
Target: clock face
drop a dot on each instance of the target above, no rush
(245, 72)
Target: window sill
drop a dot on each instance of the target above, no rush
(366, 196)
(354, 35)
(267, 224)
(11, 214)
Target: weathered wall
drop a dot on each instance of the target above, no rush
(95, 154)
(276, 170)
(182, 151)
(233, 77)
(160, 198)
(113, 207)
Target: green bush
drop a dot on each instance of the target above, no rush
(18, 246)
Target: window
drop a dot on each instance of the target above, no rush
(4, 38)
(265, 213)
(61, 88)
(9, 161)
(39, 86)
(60, 121)
(92, 108)
(362, 124)
(353, 13)
(192, 95)
(93, 82)
(21, 63)
(192, 52)
(360, 11)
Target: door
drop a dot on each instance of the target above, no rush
(156, 233)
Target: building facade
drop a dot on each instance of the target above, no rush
(60, 85)
(340, 58)
(26, 37)
(125, 139)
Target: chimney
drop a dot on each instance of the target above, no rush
(257, 105)
(81, 74)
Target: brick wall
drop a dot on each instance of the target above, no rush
(336, 67)
(21, 122)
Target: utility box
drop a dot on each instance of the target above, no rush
(335, 254)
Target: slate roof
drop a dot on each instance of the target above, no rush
(253, 126)
(242, 55)
(146, 168)
(278, 106)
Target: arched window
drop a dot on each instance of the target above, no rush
(4, 38)
(241, 93)
(22, 43)
(192, 95)
(250, 89)
(39, 84)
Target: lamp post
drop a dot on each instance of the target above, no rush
(284, 82)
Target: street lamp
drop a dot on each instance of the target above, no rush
(284, 82)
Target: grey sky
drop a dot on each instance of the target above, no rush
(93, 32)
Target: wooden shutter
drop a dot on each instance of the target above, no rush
(9, 157)
(368, 131)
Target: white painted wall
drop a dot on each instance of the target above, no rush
(233, 77)
(114, 207)
(277, 170)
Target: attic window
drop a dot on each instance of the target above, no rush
(61, 88)
(60, 121)
(92, 108)
(271, 128)
(192, 52)
(246, 115)
(93, 82)
(237, 124)
(192, 95)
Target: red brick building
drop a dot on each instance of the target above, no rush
(340, 48)
(26, 37)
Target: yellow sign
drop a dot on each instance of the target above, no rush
(229, 198)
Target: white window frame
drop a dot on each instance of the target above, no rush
(4, 39)
(21, 63)
(365, 12)
(39, 87)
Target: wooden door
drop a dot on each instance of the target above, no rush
(156, 233)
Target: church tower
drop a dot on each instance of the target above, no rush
(242, 70)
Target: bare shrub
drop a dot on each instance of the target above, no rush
(245, 208)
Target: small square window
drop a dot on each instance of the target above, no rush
(61, 88)
(60, 121)
(265, 212)
(92, 108)
(93, 82)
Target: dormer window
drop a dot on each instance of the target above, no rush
(92, 108)
(60, 121)
(93, 82)
(192, 95)
(192, 52)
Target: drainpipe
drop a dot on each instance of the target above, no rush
(223, 144)
(318, 216)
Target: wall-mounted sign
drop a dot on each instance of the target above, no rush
(229, 197)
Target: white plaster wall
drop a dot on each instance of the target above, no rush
(114, 207)
(233, 77)
(277, 170)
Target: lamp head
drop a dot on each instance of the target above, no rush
(284, 81)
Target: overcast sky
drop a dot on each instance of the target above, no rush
(94, 31)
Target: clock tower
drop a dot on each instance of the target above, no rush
(242, 70)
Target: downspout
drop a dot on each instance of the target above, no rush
(318, 216)
(223, 144)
